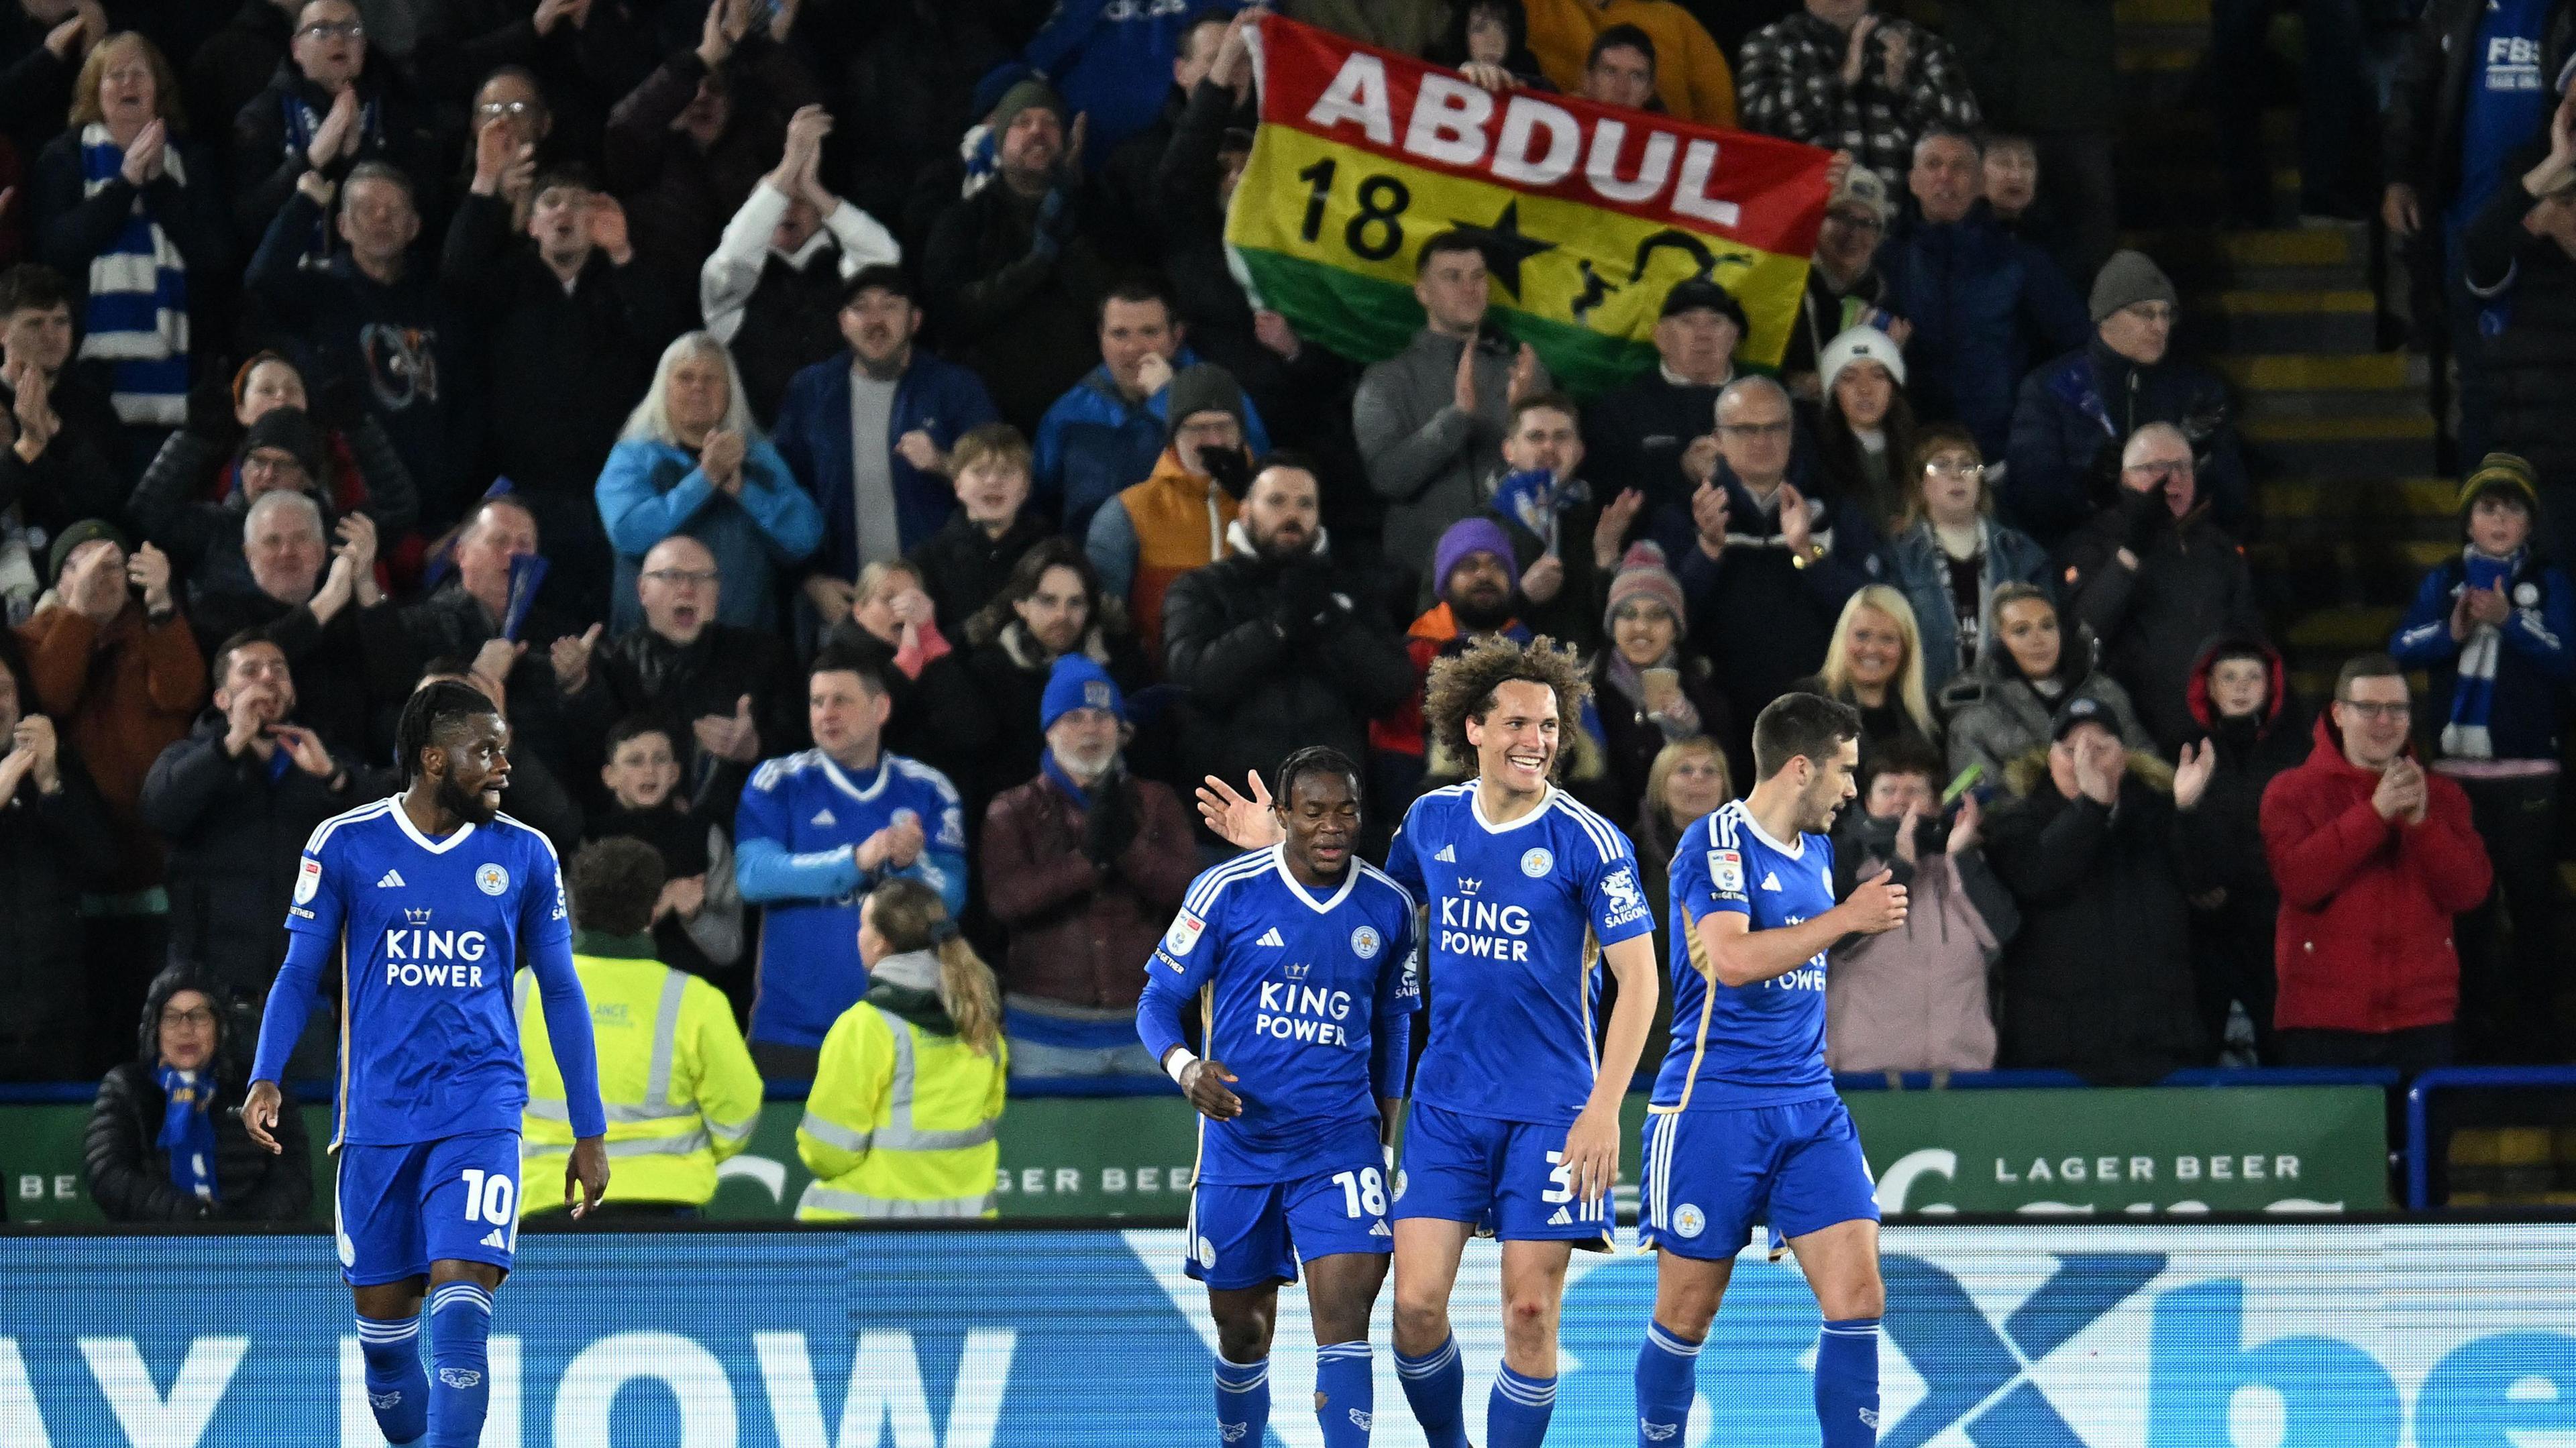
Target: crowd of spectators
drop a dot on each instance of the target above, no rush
(834, 438)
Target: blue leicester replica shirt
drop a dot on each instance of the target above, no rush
(1749, 1045)
(796, 834)
(1517, 913)
(432, 932)
(1296, 990)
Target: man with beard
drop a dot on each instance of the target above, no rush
(234, 799)
(1472, 574)
(439, 899)
(728, 690)
(1083, 865)
(1270, 642)
(868, 433)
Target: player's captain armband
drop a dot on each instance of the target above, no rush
(1726, 871)
(308, 881)
(1183, 937)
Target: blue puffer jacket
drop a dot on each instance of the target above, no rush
(651, 490)
(2531, 668)
(1984, 304)
(1093, 445)
(1914, 567)
(2075, 412)
(813, 434)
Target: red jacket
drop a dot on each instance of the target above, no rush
(2364, 940)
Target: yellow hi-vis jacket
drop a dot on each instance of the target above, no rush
(679, 1085)
(900, 1123)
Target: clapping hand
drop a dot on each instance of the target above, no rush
(1709, 516)
(2489, 605)
(145, 159)
(149, 570)
(1612, 530)
(338, 133)
(34, 410)
(608, 228)
(720, 458)
(1966, 831)
(2192, 769)
(1797, 522)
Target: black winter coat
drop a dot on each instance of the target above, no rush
(963, 567)
(2190, 584)
(2226, 831)
(1255, 694)
(129, 1173)
(2099, 981)
(641, 672)
(1020, 315)
(2074, 415)
(266, 163)
(1634, 437)
(73, 225)
(235, 837)
(52, 848)
(81, 473)
(205, 538)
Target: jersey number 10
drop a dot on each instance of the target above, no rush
(490, 1197)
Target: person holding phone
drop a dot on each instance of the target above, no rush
(1649, 693)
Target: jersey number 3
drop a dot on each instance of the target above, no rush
(1362, 1191)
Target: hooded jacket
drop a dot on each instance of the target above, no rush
(2365, 936)
(1152, 533)
(2074, 414)
(1255, 693)
(2190, 582)
(2532, 663)
(2227, 830)
(2099, 980)
(1996, 716)
(128, 1171)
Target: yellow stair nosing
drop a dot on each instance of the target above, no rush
(2399, 428)
(2336, 301)
(2315, 371)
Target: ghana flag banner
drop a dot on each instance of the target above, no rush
(1587, 214)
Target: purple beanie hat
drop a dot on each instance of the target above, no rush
(1467, 535)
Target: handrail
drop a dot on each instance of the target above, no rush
(2419, 1146)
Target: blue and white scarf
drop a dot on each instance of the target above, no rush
(188, 1127)
(137, 318)
(2465, 734)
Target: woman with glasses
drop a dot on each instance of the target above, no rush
(128, 212)
(1948, 555)
(165, 1141)
(692, 461)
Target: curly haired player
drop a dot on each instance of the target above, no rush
(1514, 1122)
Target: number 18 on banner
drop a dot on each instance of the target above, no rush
(1587, 215)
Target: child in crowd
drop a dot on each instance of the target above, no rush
(697, 924)
(968, 561)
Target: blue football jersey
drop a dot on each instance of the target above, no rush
(1517, 915)
(813, 811)
(431, 932)
(1747, 1045)
(1294, 990)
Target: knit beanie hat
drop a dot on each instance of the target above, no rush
(2506, 472)
(85, 531)
(1202, 387)
(1860, 344)
(289, 431)
(1027, 93)
(1479, 534)
(1642, 575)
(2127, 279)
(1077, 683)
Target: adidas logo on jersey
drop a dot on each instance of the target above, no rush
(1448, 855)
(393, 880)
(1770, 881)
(1563, 1218)
(492, 1239)
(1271, 937)
(824, 816)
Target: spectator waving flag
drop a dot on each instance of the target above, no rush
(1587, 214)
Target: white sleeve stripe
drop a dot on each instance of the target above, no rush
(1203, 894)
(1593, 825)
(1372, 872)
(322, 831)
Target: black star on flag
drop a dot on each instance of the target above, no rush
(1505, 245)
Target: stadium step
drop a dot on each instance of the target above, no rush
(2362, 447)
(2333, 320)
